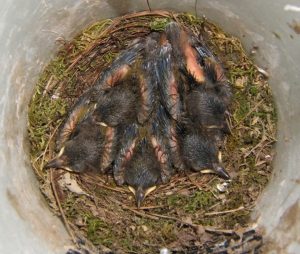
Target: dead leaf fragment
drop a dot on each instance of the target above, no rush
(68, 183)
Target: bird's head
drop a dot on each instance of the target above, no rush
(141, 193)
(215, 167)
(64, 161)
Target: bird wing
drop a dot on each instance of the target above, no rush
(128, 143)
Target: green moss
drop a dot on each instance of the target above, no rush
(159, 24)
(175, 200)
(97, 231)
(190, 19)
(241, 106)
(201, 200)
(254, 90)
(168, 231)
(43, 112)
(70, 206)
(58, 67)
(109, 57)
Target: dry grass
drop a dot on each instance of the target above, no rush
(180, 214)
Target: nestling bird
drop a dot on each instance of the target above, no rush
(148, 78)
(121, 66)
(136, 163)
(160, 144)
(142, 173)
(215, 79)
(164, 135)
(159, 107)
(185, 55)
(206, 94)
(79, 111)
(207, 111)
(197, 61)
(127, 143)
(200, 153)
(170, 87)
(118, 70)
(118, 104)
(82, 152)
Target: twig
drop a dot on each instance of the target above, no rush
(47, 85)
(47, 145)
(147, 13)
(225, 212)
(111, 188)
(65, 221)
(194, 182)
(37, 171)
(140, 213)
(263, 139)
(125, 27)
(108, 188)
(262, 71)
(148, 4)
(88, 245)
(262, 149)
(151, 207)
(196, 3)
(103, 185)
(195, 226)
(165, 217)
(219, 231)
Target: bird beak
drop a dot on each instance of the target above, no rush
(220, 156)
(103, 124)
(149, 190)
(219, 170)
(132, 190)
(139, 195)
(57, 162)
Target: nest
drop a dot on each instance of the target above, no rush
(193, 213)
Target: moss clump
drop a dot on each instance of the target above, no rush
(159, 24)
(201, 200)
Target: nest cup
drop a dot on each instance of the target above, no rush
(27, 224)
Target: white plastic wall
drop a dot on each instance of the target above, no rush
(28, 30)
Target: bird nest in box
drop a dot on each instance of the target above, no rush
(194, 212)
